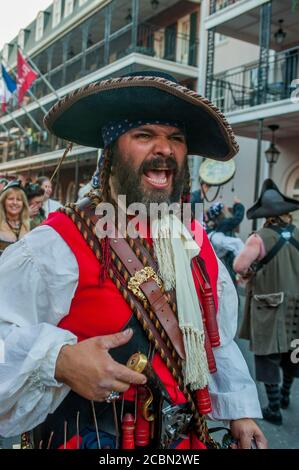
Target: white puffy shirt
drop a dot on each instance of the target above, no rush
(38, 279)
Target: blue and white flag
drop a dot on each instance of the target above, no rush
(7, 87)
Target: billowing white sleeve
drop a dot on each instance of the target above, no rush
(38, 278)
(233, 391)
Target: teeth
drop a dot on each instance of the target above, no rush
(159, 181)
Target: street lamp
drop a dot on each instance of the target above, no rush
(272, 153)
(155, 4)
(280, 34)
(129, 16)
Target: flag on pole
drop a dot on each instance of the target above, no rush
(7, 87)
(26, 76)
(2, 96)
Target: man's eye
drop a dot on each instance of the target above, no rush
(178, 138)
(143, 136)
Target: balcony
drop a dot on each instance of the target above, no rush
(216, 5)
(239, 89)
(241, 19)
(18, 146)
(153, 41)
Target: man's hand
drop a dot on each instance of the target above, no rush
(89, 370)
(244, 431)
(33, 210)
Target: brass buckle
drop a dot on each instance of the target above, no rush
(139, 278)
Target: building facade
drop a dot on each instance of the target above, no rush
(76, 42)
(250, 69)
(242, 54)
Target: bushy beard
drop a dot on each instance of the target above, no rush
(126, 180)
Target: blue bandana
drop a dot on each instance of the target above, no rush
(113, 130)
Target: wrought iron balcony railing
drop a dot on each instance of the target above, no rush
(239, 89)
(161, 43)
(152, 41)
(216, 5)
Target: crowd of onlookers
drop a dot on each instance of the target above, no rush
(23, 206)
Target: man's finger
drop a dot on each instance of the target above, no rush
(245, 441)
(261, 442)
(124, 374)
(115, 340)
(118, 386)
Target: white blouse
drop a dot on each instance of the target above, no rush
(223, 243)
(38, 279)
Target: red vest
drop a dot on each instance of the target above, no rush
(97, 311)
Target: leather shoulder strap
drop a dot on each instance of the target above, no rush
(285, 235)
(148, 285)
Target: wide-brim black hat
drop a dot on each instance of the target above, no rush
(80, 116)
(271, 203)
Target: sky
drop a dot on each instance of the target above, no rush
(17, 14)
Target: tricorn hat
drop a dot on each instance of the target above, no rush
(80, 116)
(271, 203)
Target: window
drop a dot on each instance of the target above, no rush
(39, 26)
(56, 18)
(159, 43)
(219, 90)
(220, 38)
(68, 7)
(183, 39)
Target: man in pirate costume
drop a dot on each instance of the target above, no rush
(270, 259)
(102, 310)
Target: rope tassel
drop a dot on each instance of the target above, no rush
(195, 372)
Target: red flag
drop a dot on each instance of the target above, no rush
(26, 77)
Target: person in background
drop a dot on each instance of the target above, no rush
(221, 224)
(224, 219)
(94, 183)
(14, 215)
(49, 205)
(198, 196)
(23, 179)
(35, 197)
(270, 260)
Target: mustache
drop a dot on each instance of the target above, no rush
(159, 163)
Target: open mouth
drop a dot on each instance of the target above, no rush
(158, 178)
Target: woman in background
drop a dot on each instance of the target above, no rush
(14, 215)
(49, 205)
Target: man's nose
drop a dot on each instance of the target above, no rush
(163, 146)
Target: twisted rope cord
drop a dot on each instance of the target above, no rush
(78, 218)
